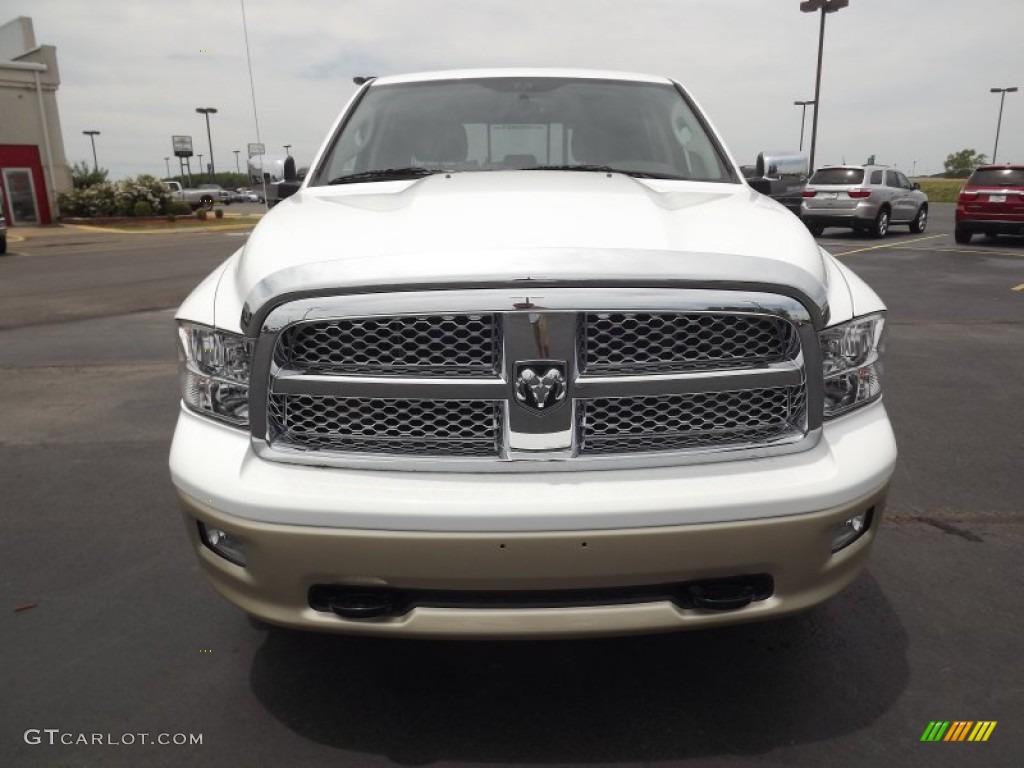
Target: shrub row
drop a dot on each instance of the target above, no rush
(141, 196)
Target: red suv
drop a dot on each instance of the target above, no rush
(992, 202)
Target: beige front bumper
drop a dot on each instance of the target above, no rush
(283, 562)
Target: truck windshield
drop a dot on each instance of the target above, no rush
(521, 123)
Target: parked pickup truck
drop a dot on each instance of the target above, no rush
(220, 195)
(524, 355)
(780, 174)
(194, 198)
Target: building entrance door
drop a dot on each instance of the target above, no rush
(21, 195)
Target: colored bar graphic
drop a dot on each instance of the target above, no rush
(935, 730)
(958, 730)
(984, 729)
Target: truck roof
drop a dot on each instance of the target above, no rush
(466, 74)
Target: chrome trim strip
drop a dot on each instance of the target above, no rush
(289, 382)
(784, 374)
(782, 447)
(535, 269)
(553, 299)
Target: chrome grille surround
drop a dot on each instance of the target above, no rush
(737, 405)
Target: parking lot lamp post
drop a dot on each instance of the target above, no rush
(167, 160)
(287, 148)
(1002, 97)
(200, 166)
(238, 168)
(803, 118)
(95, 166)
(826, 7)
(207, 111)
(913, 171)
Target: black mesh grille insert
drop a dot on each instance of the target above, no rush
(624, 343)
(676, 422)
(404, 345)
(368, 425)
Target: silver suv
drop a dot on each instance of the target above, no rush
(865, 198)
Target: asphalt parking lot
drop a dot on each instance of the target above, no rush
(106, 626)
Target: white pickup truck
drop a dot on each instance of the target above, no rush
(193, 198)
(524, 356)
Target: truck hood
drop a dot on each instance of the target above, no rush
(510, 227)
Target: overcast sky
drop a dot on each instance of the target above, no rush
(905, 80)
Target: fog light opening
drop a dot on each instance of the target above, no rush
(230, 547)
(851, 529)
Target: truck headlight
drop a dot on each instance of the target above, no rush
(215, 372)
(851, 355)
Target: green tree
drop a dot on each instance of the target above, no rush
(960, 164)
(83, 177)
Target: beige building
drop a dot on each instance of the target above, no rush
(33, 167)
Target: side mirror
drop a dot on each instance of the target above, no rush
(287, 188)
(916, 185)
(764, 186)
(289, 169)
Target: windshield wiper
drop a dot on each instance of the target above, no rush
(601, 169)
(387, 174)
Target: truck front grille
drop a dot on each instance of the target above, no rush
(641, 385)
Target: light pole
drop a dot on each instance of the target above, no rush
(237, 167)
(803, 118)
(208, 111)
(913, 170)
(825, 6)
(167, 160)
(287, 148)
(96, 166)
(200, 164)
(1002, 97)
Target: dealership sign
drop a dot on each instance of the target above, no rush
(182, 146)
(257, 149)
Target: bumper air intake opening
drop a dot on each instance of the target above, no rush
(359, 603)
(725, 594)
(363, 605)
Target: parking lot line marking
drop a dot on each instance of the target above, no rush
(1018, 287)
(968, 250)
(895, 244)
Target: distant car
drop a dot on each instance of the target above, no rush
(865, 198)
(991, 202)
(246, 196)
(221, 196)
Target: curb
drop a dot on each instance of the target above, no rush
(167, 231)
